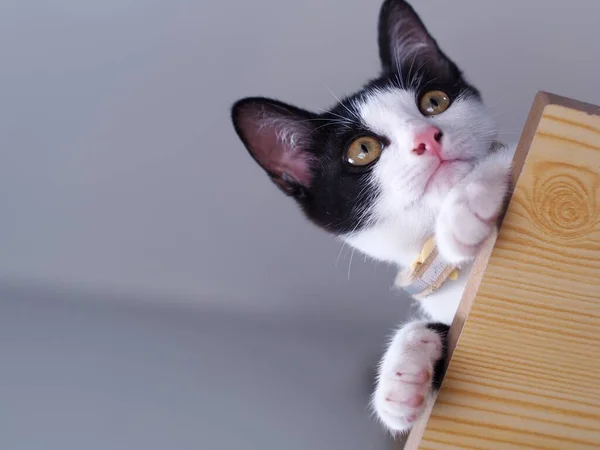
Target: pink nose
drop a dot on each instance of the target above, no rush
(428, 140)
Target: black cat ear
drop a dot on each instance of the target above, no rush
(278, 138)
(405, 44)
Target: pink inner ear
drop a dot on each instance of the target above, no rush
(277, 144)
(296, 164)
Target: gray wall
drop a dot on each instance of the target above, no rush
(143, 252)
(107, 376)
(119, 166)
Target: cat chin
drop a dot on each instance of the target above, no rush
(395, 241)
(447, 175)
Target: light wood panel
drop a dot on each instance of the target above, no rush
(525, 370)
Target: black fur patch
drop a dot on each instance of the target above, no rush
(339, 197)
(440, 365)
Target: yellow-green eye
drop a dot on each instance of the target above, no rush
(434, 102)
(363, 151)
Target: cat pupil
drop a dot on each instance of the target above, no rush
(364, 149)
(434, 103)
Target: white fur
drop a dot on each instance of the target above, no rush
(405, 376)
(458, 205)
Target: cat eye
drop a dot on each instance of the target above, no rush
(363, 151)
(433, 103)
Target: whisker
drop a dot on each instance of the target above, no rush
(352, 113)
(340, 254)
(411, 65)
(350, 263)
(344, 119)
(322, 126)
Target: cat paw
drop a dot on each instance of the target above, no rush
(469, 215)
(406, 373)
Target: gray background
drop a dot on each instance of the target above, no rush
(157, 291)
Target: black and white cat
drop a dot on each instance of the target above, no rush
(407, 157)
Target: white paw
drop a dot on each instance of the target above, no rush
(405, 376)
(469, 215)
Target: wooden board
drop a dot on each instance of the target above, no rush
(525, 366)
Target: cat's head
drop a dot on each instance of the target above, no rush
(385, 155)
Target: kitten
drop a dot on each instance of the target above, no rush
(408, 157)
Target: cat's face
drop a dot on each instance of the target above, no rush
(385, 155)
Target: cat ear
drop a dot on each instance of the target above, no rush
(278, 138)
(405, 43)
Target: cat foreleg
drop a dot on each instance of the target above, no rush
(409, 372)
(470, 211)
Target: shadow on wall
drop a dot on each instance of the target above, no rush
(101, 375)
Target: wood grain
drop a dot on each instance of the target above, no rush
(525, 370)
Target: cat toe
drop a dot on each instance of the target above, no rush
(406, 376)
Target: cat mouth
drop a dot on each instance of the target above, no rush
(445, 169)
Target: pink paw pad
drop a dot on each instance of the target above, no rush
(416, 401)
